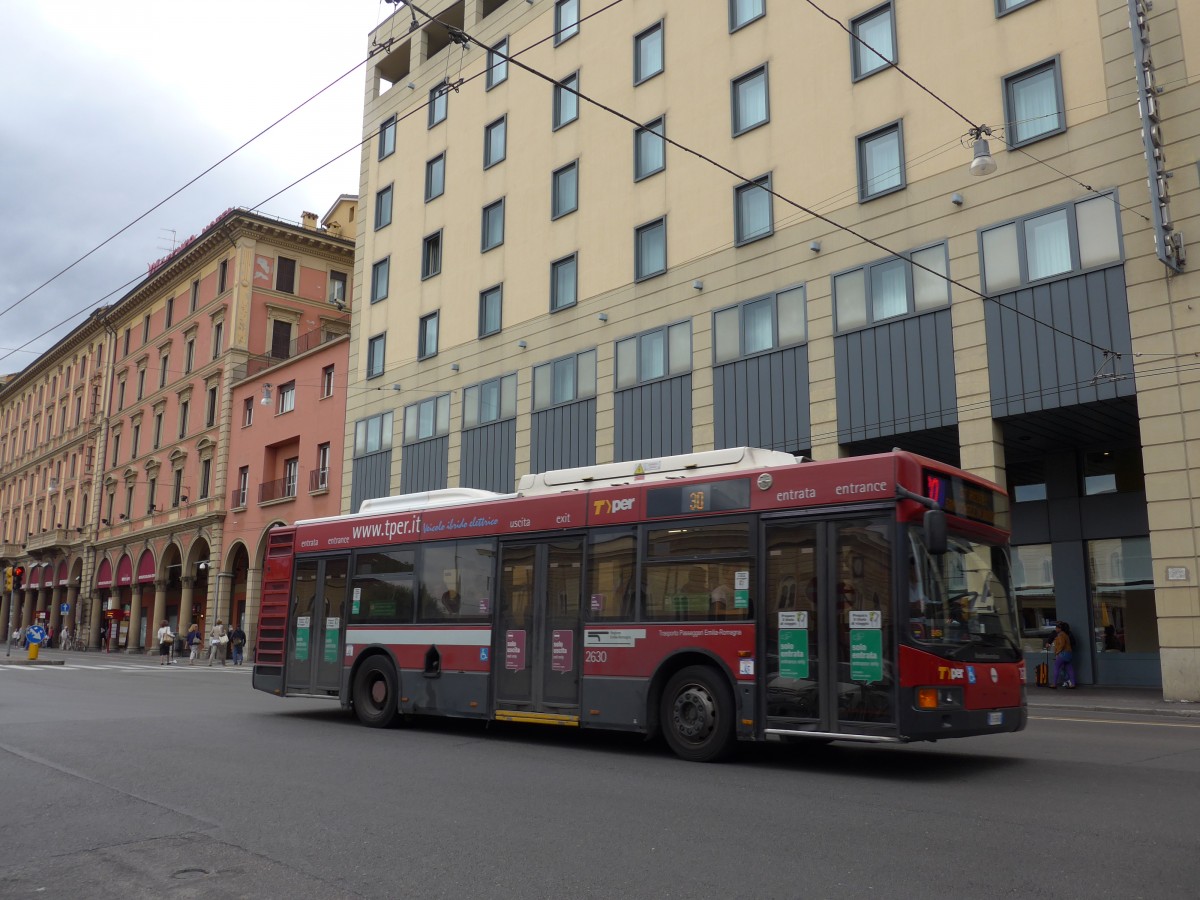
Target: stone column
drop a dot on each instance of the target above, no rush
(160, 602)
(185, 603)
(5, 604)
(253, 603)
(96, 623)
(134, 643)
(72, 620)
(27, 601)
(41, 601)
(55, 615)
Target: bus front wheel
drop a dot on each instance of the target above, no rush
(375, 692)
(697, 715)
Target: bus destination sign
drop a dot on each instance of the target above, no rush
(696, 498)
(960, 497)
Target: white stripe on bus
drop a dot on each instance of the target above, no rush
(452, 637)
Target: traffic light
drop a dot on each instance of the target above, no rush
(18, 577)
(8, 579)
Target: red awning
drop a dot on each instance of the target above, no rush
(35, 577)
(104, 574)
(124, 571)
(62, 573)
(145, 572)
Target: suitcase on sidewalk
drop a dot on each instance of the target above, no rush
(1042, 673)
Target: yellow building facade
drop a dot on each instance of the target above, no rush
(804, 263)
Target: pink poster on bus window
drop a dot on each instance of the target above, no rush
(563, 659)
(514, 651)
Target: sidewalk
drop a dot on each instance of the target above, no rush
(56, 657)
(1104, 698)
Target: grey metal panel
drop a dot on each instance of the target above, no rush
(896, 377)
(370, 477)
(489, 457)
(653, 419)
(423, 466)
(563, 437)
(763, 401)
(1034, 367)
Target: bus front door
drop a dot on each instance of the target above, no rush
(829, 627)
(315, 627)
(537, 653)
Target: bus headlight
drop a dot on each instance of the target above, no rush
(939, 698)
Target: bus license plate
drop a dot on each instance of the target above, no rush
(995, 718)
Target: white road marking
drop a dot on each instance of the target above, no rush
(1132, 712)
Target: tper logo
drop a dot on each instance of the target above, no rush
(602, 507)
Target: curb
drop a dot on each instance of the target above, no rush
(1135, 710)
(31, 662)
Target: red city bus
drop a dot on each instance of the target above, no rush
(712, 597)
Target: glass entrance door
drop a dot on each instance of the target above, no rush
(538, 640)
(829, 629)
(316, 627)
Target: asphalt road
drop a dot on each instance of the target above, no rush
(124, 780)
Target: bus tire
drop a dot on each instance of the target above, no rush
(375, 691)
(697, 715)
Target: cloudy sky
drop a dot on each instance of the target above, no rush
(109, 107)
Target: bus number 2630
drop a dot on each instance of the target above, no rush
(595, 656)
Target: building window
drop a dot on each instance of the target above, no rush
(135, 439)
(743, 12)
(1051, 243)
(337, 287)
(427, 336)
(195, 297)
(327, 382)
(437, 103)
(177, 488)
(120, 395)
(1033, 103)
(375, 355)
(497, 63)
(564, 190)
(759, 325)
(753, 216)
(189, 356)
(428, 419)
(145, 335)
(880, 162)
(151, 490)
(648, 53)
(285, 275)
(322, 479)
(1121, 578)
(564, 380)
(222, 276)
(116, 456)
(495, 142)
(291, 472)
(1007, 6)
(375, 433)
(661, 353)
(141, 383)
(1113, 472)
(491, 401)
(205, 478)
(649, 149)
(431, 255)
(563, 282)
(218, 336)
(247, 412)
(491, 304)
(287, 397)
(435, 177)
(158, 422)
(125, 352)
(243, 488)
(872, 42)
(169, 314)
(566, 20)
(566, 101)
(1026, 480)
(750, 101)
(210, 414)
(387, 137)
(163, 363)
(650, 249)
(913, 282)
(383, 208)
(492, 226)
(379, 279)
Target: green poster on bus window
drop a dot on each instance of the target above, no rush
(866, 655)
(793, 653)
(333, 629)
(303, 623)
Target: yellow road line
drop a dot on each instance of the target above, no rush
(1115, 722)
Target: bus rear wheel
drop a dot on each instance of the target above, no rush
(697, 715)
(375, 691)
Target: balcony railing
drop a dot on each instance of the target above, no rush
(318, 480)
(53, 539)
(277, 489)
(237, 500)
(305, 342)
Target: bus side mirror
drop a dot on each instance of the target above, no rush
(935, 531)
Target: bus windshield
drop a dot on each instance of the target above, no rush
(961, 603)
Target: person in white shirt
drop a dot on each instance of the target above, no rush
(165, 640)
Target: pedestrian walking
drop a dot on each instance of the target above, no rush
(21, 636)
(237, 642)
(193, 643)
(1064, 654)
(165, 640)
(64, 638)
(218, 640)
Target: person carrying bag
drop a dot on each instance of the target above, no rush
(218, 640)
